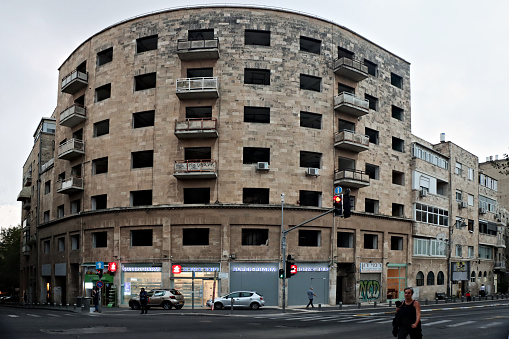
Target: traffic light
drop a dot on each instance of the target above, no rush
(291, 268)
(112, 268)
(281, 273)
(347, 205)
(338, 205)
(100, 273)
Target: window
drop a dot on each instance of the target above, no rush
(398, 144)
(372, 67)
(257, 114)
(398, 210)
(80, 100)
(255, 195)
(310, 45)
(430, 279)
(345, 125)
(345, 239)
(141, 238)
(101, 128)
(61, 244)
(256, 76)
(371, 241)
(485, 252)
(396, 80)
(483, 227)
(310, 159)
(470, 225)
(200, 195)
(310, 120)
(200, 72)
(75, 242)
(75, 206)
(373, 171)
(199, 112)
(99, 239)
(373, 102)
(47, 187)
(100, 166)
(396, 243)
(252, 155)
(141, 198)
(345, 164)
(99, 202)
(197, 153)
(145, 44)
(488, 182)
(459, 195)
(195, 237)
(431, 215)
(459, 249)
(46, 216)
(472, 277)
(103, 92)
(398, 178)
(310, 238)
(429, 156)
(372, 134)
(144, 81)
(344, 53)
(310, 82)
(46, 245)
(200, 34)
(257, 37)
(310, 198)
(60, 211)
(440, 278)
(419, 279)
(458, 169)
(470, 173)
(76, 171)
(437, 248)
(471, 251)
(371, 206)
(142, 159)
(105, 56)
(61, 176)
(344, 88)
(143, 119)
(397, 113)
(255, 237)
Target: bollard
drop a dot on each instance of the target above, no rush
(66, 306)
(82, 307)
(60, 305)
(462, 299)
(340, 305)
(426, 301)
(436, 300)
(319, 306)
(390, 302)
(358, 305)
(74, 308)
(497, 296)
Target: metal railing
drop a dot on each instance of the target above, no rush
(76, 182)
(351, 174)
(74, 109)
(47, 164)
(73, 76)
(346, 135)
(196, 124)
(351, 99)
(71, 145)
(196, 84)
(185, 44)
(194, 166)
(353, 63)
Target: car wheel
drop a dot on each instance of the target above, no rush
(179, 307)
(167, 305)
(218, 306)
(255, 306)
(135, 305)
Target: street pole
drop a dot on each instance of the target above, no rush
(283, 251)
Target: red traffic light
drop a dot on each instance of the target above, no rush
(293, 269)
(337, 199)
(112, 267)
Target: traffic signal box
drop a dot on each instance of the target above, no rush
(346, 204)
(100, 273)
(338, 205)
(281, 273)
(291, 269)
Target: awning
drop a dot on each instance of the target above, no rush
(24, 194)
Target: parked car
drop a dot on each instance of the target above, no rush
(165, 298)
(241, 299)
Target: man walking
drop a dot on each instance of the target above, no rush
(311, 294)
(143, 300)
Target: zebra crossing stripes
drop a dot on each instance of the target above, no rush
(461, 324)
(436, 322)
(490, 325)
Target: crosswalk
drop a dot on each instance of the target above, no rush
(52, 315)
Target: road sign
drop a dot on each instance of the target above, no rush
(99, 284)
(338, 190)
(99, 265)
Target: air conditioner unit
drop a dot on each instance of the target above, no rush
(313, 171)
(262, 166)
(423, 192)
(463, 204)
(482, 210)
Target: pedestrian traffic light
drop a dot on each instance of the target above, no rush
(347, 205)
(112, 268)
(338, 205)
(100, 273)
(281, 273)
(291, 269)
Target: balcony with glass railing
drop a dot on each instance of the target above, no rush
(351, 141)
(350, 69)
(195, 169)
(73, 115)
(70, 185)
(197, 88)
(71, 149)
(350, 178)
(74, 81)
(196, 128)
(348, 103)
(198, 49)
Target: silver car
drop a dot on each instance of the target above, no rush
(160, 298)
(245, 299)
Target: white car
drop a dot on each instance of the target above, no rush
(241, 299)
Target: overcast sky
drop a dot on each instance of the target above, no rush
(458, 52)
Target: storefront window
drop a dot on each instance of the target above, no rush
(205, 277)
(396, 281)
(136, 277)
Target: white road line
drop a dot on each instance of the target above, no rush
(13, 315)
(491, 324)
(461, 324)
(368, 321)
(385, 321)
(54, 315)
(436, 322)
(34, 315)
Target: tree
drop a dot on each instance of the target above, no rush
(10, 239)
(502, 165)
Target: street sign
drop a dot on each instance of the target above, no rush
(99, 265)
(338, 190)
(99, 284)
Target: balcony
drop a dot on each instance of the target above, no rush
(196, 128)
(74, 81)
(499, 265)
(351, 178)
(195, 169)
(73, 115)
(71, 149)
(350, 69)
(27, 178)
(70, 185)
(25, 196)
(197, 88)
(48, 164)
(198, 49)
(348, 103)
(351, 141)
(25, 249)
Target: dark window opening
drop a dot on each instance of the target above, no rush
(470, 225)
(101, 128)
(255, 237)
(141, 238)
(200, 34)
(103, 92)
(76, 171)
(371, 205)
(373, 135)
(430, 280)
(80, 100)
(99, 202)
(310, 198)
(76, 206)
(100, 165)
(61, 176)
(256, 76)
(398, 178)
(257, 37)
(141, 198)
(345, 239)
(310, 120)
(440, 278)
(78, 135)
(60, 211)
(143, 119)
(47, 187)
(197, 153)
(252, 155)
(46, 216)
(75, 242)
(82, 67)
(200, 72)
(100, 239)
(345, 125)
(396, 243)
(197, 195)
(371, 241)
(372, 67)
(396, 80)
(310, 159)
(310, 82)
(47, 246)
(105, 56)
(201, 112)
(398, 144)
(373, 171)
(346, 164)
(195, 236)
(373, 102)
(397, 210)
(145, 44)
(142, 159)
(257, 114)
(397, 113)
(344, 53)
(419, 279)
(255, 195)
(144, 81)
(344, 88)
(310, 238)
(310, 45)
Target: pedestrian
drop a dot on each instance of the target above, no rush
(483, 290)
(395, 321)
(409, 317)
(143, 300)
(95, 298)
(469, 296)
(311, 294)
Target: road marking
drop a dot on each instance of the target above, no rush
(34, 315)
(490, 325)
(368, 321)
(385, 321)
(461, 324)
(436, 322)
(13, 315)
(54, 315)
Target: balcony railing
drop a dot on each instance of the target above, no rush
(195, 169)
(351, 141)
(351, 178)
(47, 164)
(71, 149)
(73, 115)
(197, 88)
(70, 185)
(196, 128)
(500, 264)
(351, 69)
(27, 178)
(198, 49)
(348, 103)
(74, 81)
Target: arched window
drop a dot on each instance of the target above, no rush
(472, 277)
(485, 274)
(440, 278)
(480, 274)
(430, 279)
(419, 280)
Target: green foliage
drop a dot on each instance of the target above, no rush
(10, 239)
(501, 165)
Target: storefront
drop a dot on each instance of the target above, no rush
(460, 272)
(202, 279)
(260, 277)
(309, 274)
(91, 278)
(136, 276)
(370, 282)
(396, 281)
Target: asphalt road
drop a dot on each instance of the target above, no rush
(453, 321)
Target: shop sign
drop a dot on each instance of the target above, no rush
(371, 267)
(254, 269)
(312, 269)
(140, 269)
(198, 269)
